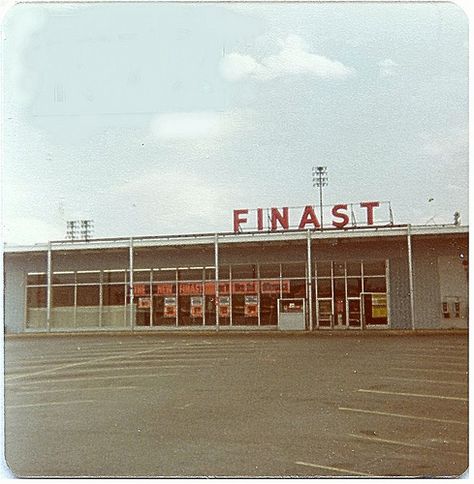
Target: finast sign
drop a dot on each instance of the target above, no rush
(303, 218)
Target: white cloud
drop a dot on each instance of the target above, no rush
(293, 58)
(388, 68)
(199, 125)
(30, 230)
(177, 200)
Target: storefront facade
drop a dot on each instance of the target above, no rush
(391, 278)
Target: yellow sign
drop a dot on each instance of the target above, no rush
(379, 305)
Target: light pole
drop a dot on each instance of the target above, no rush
(320, 180)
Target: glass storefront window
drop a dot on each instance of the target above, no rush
(353, 268)
(164, 275)
(62, 296)
(339, 269)
(323, 268)
(190, 309)
(88, 277)
(36, 312)
(324, 288)
(294, 269)
(375, 284)
(36, 297)
(244, 271)
(88, 306)
(354, 286)
(339, 287)
(210, 274)
(245, 309)
(113, 305)
(190, 274)
(224, 272)
(36, 279)
(269, 309)
(64, 278)
(375, 308)
(141, 276)
(113, 276)
(374, 268)
(269, 270)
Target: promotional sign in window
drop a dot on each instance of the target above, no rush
(170, 307)
(196, 306)
(144, 303)
(379, 306)
(289, 306)
(251, 306)
(163, 289)
(273, 287)
(224, 306)
(140, 289)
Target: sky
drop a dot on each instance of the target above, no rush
(162, 118)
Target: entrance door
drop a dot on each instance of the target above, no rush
(340, 319)
(354, 313)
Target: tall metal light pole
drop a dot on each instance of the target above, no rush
(320, 180)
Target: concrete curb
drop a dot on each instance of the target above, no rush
(226, 332)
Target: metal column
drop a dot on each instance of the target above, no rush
(310, 285)
(410, 277)
(130, 288)
(48, 281)
(216, 264)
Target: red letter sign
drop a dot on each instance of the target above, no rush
(370, 211)
(338, 214)
(260, 218)
(309, 217)
(278, 217)
(238, 220)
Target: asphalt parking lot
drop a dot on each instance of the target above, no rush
(237, 405)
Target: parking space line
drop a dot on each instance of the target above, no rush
(336, 469)
(405, 360)
(388, 414)
(421, 395)
(134, 365)
(432, 369)
(45, 404)
(112, 377)
(405, 444)
(432, 355)
(34, 392)
(444, 382)
(71, 365)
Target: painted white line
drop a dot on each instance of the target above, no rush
(114, 377)
(135, 367)
(434, 355)
(444, 382)
(34, 392)
(346, 472)
(444, 363)
(432, 369)
(404, 444)
(137, 362)
(388, 414)
(27, 405)
(71, 365)
(421, 395)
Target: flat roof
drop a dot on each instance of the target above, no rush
(244, 237)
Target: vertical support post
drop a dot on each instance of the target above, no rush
(410, 278)
(310, 282)
(216, 264)
(48, 281)
(130, 287)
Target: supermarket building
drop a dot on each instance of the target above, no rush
(385, 277)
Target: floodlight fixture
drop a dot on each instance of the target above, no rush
(320, 180)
